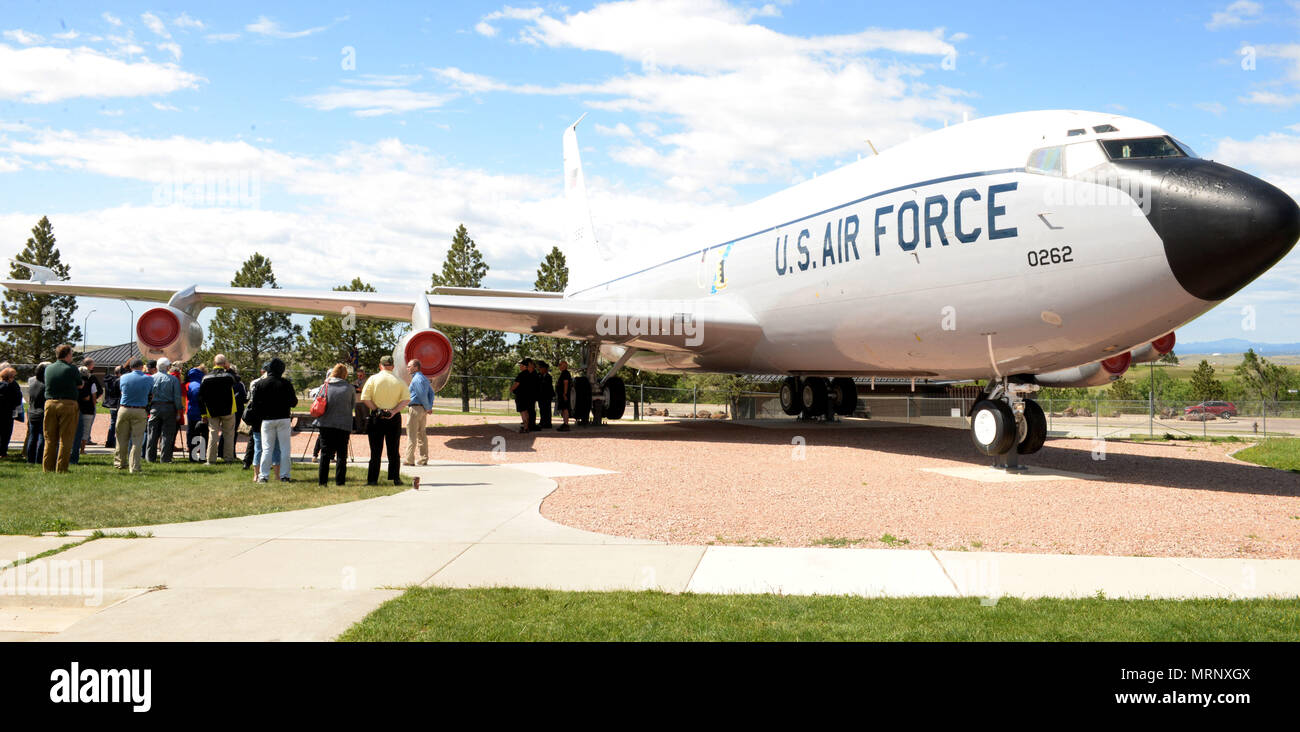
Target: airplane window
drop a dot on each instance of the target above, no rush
(1142, 147)
(1073, 133)
(1046, 161)
(1105, 128)
(1186, 148)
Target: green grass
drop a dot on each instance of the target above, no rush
(94, 494)
(440, 614)
(1280, 453)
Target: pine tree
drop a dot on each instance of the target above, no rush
(552, 276)
(249, 336)
(1262, 379)
(346, 338)
(53, 312)
(1122, 389)
(1204, 386)
(472, 347)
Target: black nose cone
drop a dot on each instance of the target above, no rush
(1221, 227)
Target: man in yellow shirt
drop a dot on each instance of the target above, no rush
(384, 395)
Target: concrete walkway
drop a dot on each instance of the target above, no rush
(310, 574)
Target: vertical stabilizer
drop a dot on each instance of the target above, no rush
(587, 258)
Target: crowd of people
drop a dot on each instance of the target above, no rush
(533, 393)
(151, 402)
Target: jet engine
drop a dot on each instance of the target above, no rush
(167, 332)
(1097, 373)
(434, 351)
(1154, 350)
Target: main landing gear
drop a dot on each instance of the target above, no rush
(1005, 425)
(815, 396)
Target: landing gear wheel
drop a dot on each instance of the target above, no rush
(814, 395)
(844, 394)
(791, 397)
(580, 399)
(615, 398)
(993, 427)
(1035, 429)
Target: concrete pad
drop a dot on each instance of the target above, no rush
(995, 574)
(230, 614)
(144, 563)
(790, 571)
(20, 637)
(530, 527)
(325, 565)
(990, 474)
(794, 424)
(557, 470)
(1249, 577)
(29, 546)
(53, 613)
(564, 567)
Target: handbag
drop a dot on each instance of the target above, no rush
(318, 405)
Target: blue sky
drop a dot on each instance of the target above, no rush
(363, 136)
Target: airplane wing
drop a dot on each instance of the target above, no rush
(652, 324)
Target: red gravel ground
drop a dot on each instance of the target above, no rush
(727, 483)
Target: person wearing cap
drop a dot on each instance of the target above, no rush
(132, 416)
(217, 390)
(521, 387)
(421, 403)
(384, 395)
(163, 410)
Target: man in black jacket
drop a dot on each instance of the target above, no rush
(545, 393)
(112, 398)
(272, 401)
(217, 391)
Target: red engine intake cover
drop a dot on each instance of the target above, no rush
(158, 328)
(432, 348)
(1117, 365)
(1164, 344)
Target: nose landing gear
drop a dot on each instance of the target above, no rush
(1006, 425)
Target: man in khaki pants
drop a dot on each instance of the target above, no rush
(62, 380)
(132, 416)
(420, 405)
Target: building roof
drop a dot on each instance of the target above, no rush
(107, 358)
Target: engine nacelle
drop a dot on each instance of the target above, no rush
(1154, 350)
(1098, 373)
(165, 332)
(434, 351)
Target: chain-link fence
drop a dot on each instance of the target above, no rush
(1080, 417)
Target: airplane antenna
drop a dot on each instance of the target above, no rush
(873, 147)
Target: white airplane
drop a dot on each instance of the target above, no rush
(1049, 248)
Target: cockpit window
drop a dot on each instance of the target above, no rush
(1142, 147)
(1047, 161)
(1186, 148)
(1079, 131)
(1105, 128)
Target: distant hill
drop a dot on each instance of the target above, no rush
(1238, 345)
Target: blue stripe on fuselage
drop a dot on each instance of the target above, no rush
(877, 194)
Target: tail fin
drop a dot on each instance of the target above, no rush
(586, 257)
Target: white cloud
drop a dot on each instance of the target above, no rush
(1241, 12)
(43, 74)
(111, 19)
(745, 103)
(155, 24)
(23, 37)
(264, 26)
(185, 21)
(1214, 108)
(171, 47)
(222, 37)
(1274, 157)
(373, 102)
(161, 107)
(484, 29)
(1271, 99)
(393, 197)
(68, 35)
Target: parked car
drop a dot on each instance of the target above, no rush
(1218, 409)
